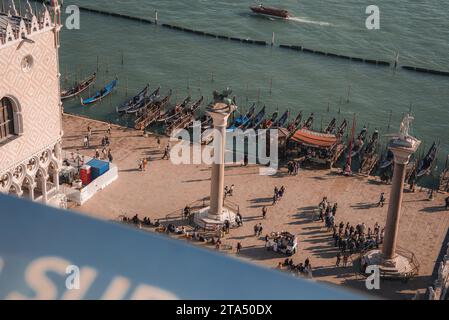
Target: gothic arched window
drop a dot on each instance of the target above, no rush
(6, 118)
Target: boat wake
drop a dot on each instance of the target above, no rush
(305, 20)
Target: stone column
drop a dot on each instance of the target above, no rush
(220, 113)
(401, 159)
(44, 189)
(31, 187)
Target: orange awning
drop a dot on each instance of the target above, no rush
(314, 139)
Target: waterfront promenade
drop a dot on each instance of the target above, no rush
(166, 188)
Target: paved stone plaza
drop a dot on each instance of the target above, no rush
(166, 188)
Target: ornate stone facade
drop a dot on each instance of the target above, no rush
(30, 156)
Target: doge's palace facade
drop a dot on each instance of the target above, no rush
(30, 104)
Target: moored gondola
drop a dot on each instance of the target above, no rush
(257, 120)
(78, 88)
(171, 114)
(292, 126)
(282, 120)
(268, 123)
(309, 122)
(136, 100)
(153, 97)
(242, 120)
(99, 95)
(426, 164)
(331, 126)
(151, 113)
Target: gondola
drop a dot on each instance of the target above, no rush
(171, 114)
(426, 164)
(387, 161)
(359, 143)
(331, 126)
(100, 94)
(342, 128)
(242, 120)
(295, 123)
(267, 124)
(282, 120)
(309, 122)
(134, 101)
(146, 101)
(151, 112)
(258, 119)
(195, 106)
(78, 88)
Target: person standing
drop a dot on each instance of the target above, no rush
(345, 260)
(110, 155)
(334, 209)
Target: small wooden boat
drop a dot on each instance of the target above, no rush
(78, 88)
(342, 128)
(258, 119)
(195, 106)
(100, 94)
(309, 122)
(171, 114)
(292, 126)
(242, 120)
(282, 120)
(146, 101)
(134, 101)
(444, 177)
(151, 113)
(426, 164)
(185, 119)
(270, 11)
(331, 126)
(268, 123)
(369, 154)
(387, 161)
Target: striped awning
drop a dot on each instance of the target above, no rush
(314, 139)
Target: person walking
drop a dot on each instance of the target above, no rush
(264, 212)
(110, 155)
(166, 153)
(256, 229)
(239, 247)
(259, 230)
(337, 264)
(381, 200)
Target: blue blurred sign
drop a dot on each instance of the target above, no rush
(46, 253)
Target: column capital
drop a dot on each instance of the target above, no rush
(401, 151)
(220, 113)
